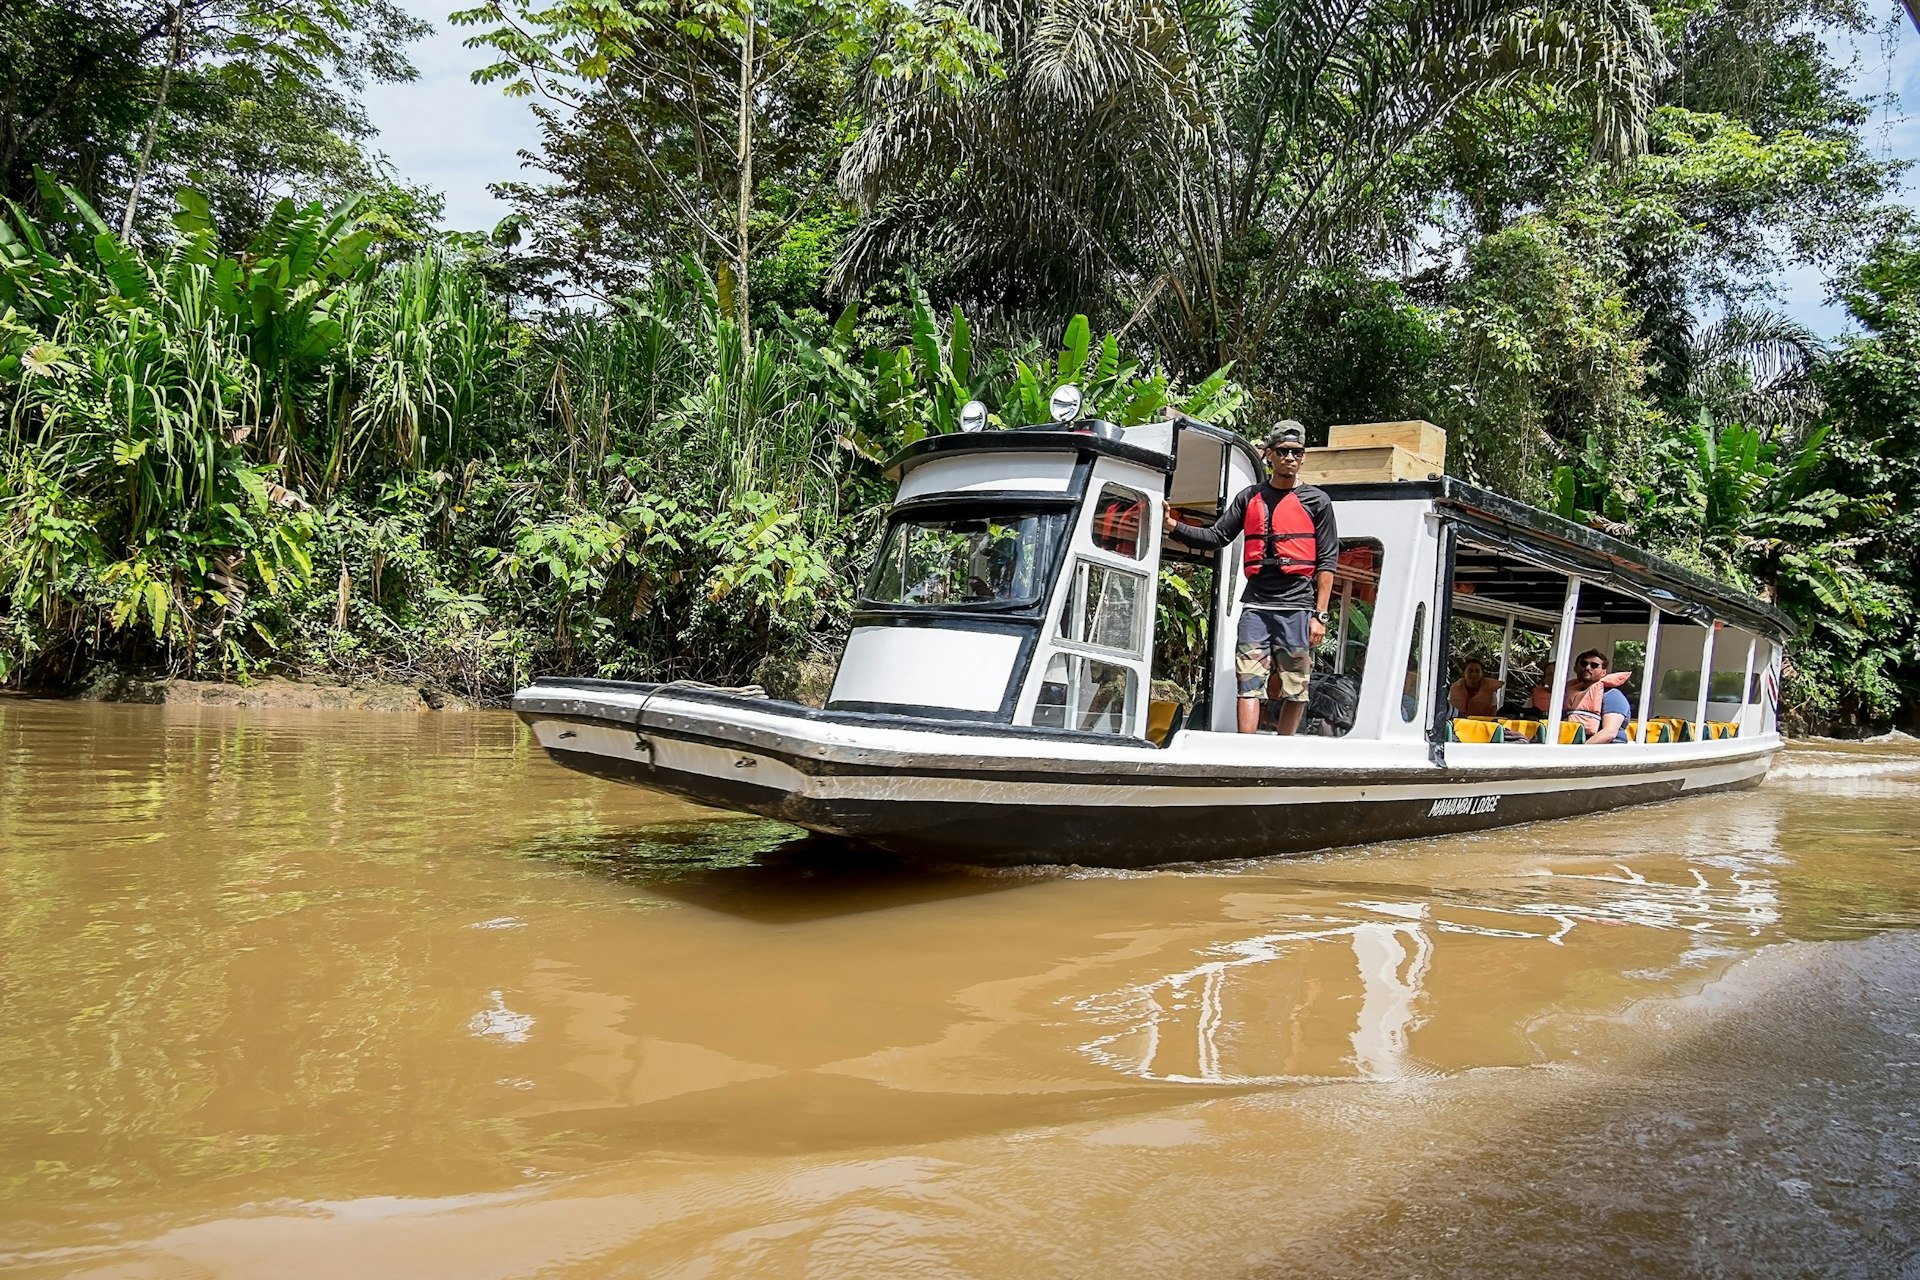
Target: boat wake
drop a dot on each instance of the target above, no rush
(1796, 766)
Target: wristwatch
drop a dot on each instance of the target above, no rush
(1322, 617)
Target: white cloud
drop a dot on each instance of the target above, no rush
(447, 132)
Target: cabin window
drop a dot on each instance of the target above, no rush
(1116, 521)
(1410, 691)
(966, 560)
(1356, 585)
(1341, 658)
(1107, 609)
(1682, 684)
(1083, 693)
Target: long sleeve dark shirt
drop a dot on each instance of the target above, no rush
(1272, 588)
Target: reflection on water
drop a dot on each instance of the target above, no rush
(668, 851)
(314, 993)
(1264, 1008)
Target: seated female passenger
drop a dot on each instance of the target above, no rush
(1473, 694)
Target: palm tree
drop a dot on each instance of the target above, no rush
(1755, 367)
(1179, 163)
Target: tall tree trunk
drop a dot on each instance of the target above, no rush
(176, 49)
(745, 156)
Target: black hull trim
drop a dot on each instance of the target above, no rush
(1132, 836)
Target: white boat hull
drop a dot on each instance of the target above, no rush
(992, 795)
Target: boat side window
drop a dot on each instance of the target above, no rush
(1107, 609)
(1757, 682)
(1356, 585)
(1340, 660)
(1726, 685)
(1680, 684)
(1086, 694)
(1116, 521)
(965, 559)
(1410, 695)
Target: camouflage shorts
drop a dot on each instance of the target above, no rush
(1270, 644)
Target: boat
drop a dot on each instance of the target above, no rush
(1000, 699)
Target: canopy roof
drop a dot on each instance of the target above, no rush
(1516, 550)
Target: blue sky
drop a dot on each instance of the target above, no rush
(1887, 66)
(449, 133)
(456, 136)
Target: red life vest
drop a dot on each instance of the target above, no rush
(1116, 524)
(1282, 537)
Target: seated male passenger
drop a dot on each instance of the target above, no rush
(1473, 694)
(1594, 698)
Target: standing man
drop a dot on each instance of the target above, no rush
(1291, 549)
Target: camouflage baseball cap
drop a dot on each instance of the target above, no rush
(1286, 431)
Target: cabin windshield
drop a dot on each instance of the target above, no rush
(951, 559)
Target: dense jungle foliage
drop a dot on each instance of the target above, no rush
(260, 414)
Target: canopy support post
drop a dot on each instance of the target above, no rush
(1646, 673)
(1562, 651)
(1706, 681)
(1506, 657)
(1746, 685)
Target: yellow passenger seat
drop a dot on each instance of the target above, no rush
(1678, 730)
(1476, 729)
(1520, 730)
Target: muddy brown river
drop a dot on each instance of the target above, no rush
(364, 995)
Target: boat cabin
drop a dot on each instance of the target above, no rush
(1023, 580)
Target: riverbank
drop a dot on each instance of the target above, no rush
(274, 693)
(806, 681)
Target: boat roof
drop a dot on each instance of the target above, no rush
(1561, 545)
(1505, 524)
(1032, 440)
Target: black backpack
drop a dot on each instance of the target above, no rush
(1331, 705)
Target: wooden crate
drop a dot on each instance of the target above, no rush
(1365, 464)
(1422, 439)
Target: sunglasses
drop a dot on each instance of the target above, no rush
(1590, 662)
(1289, 451)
